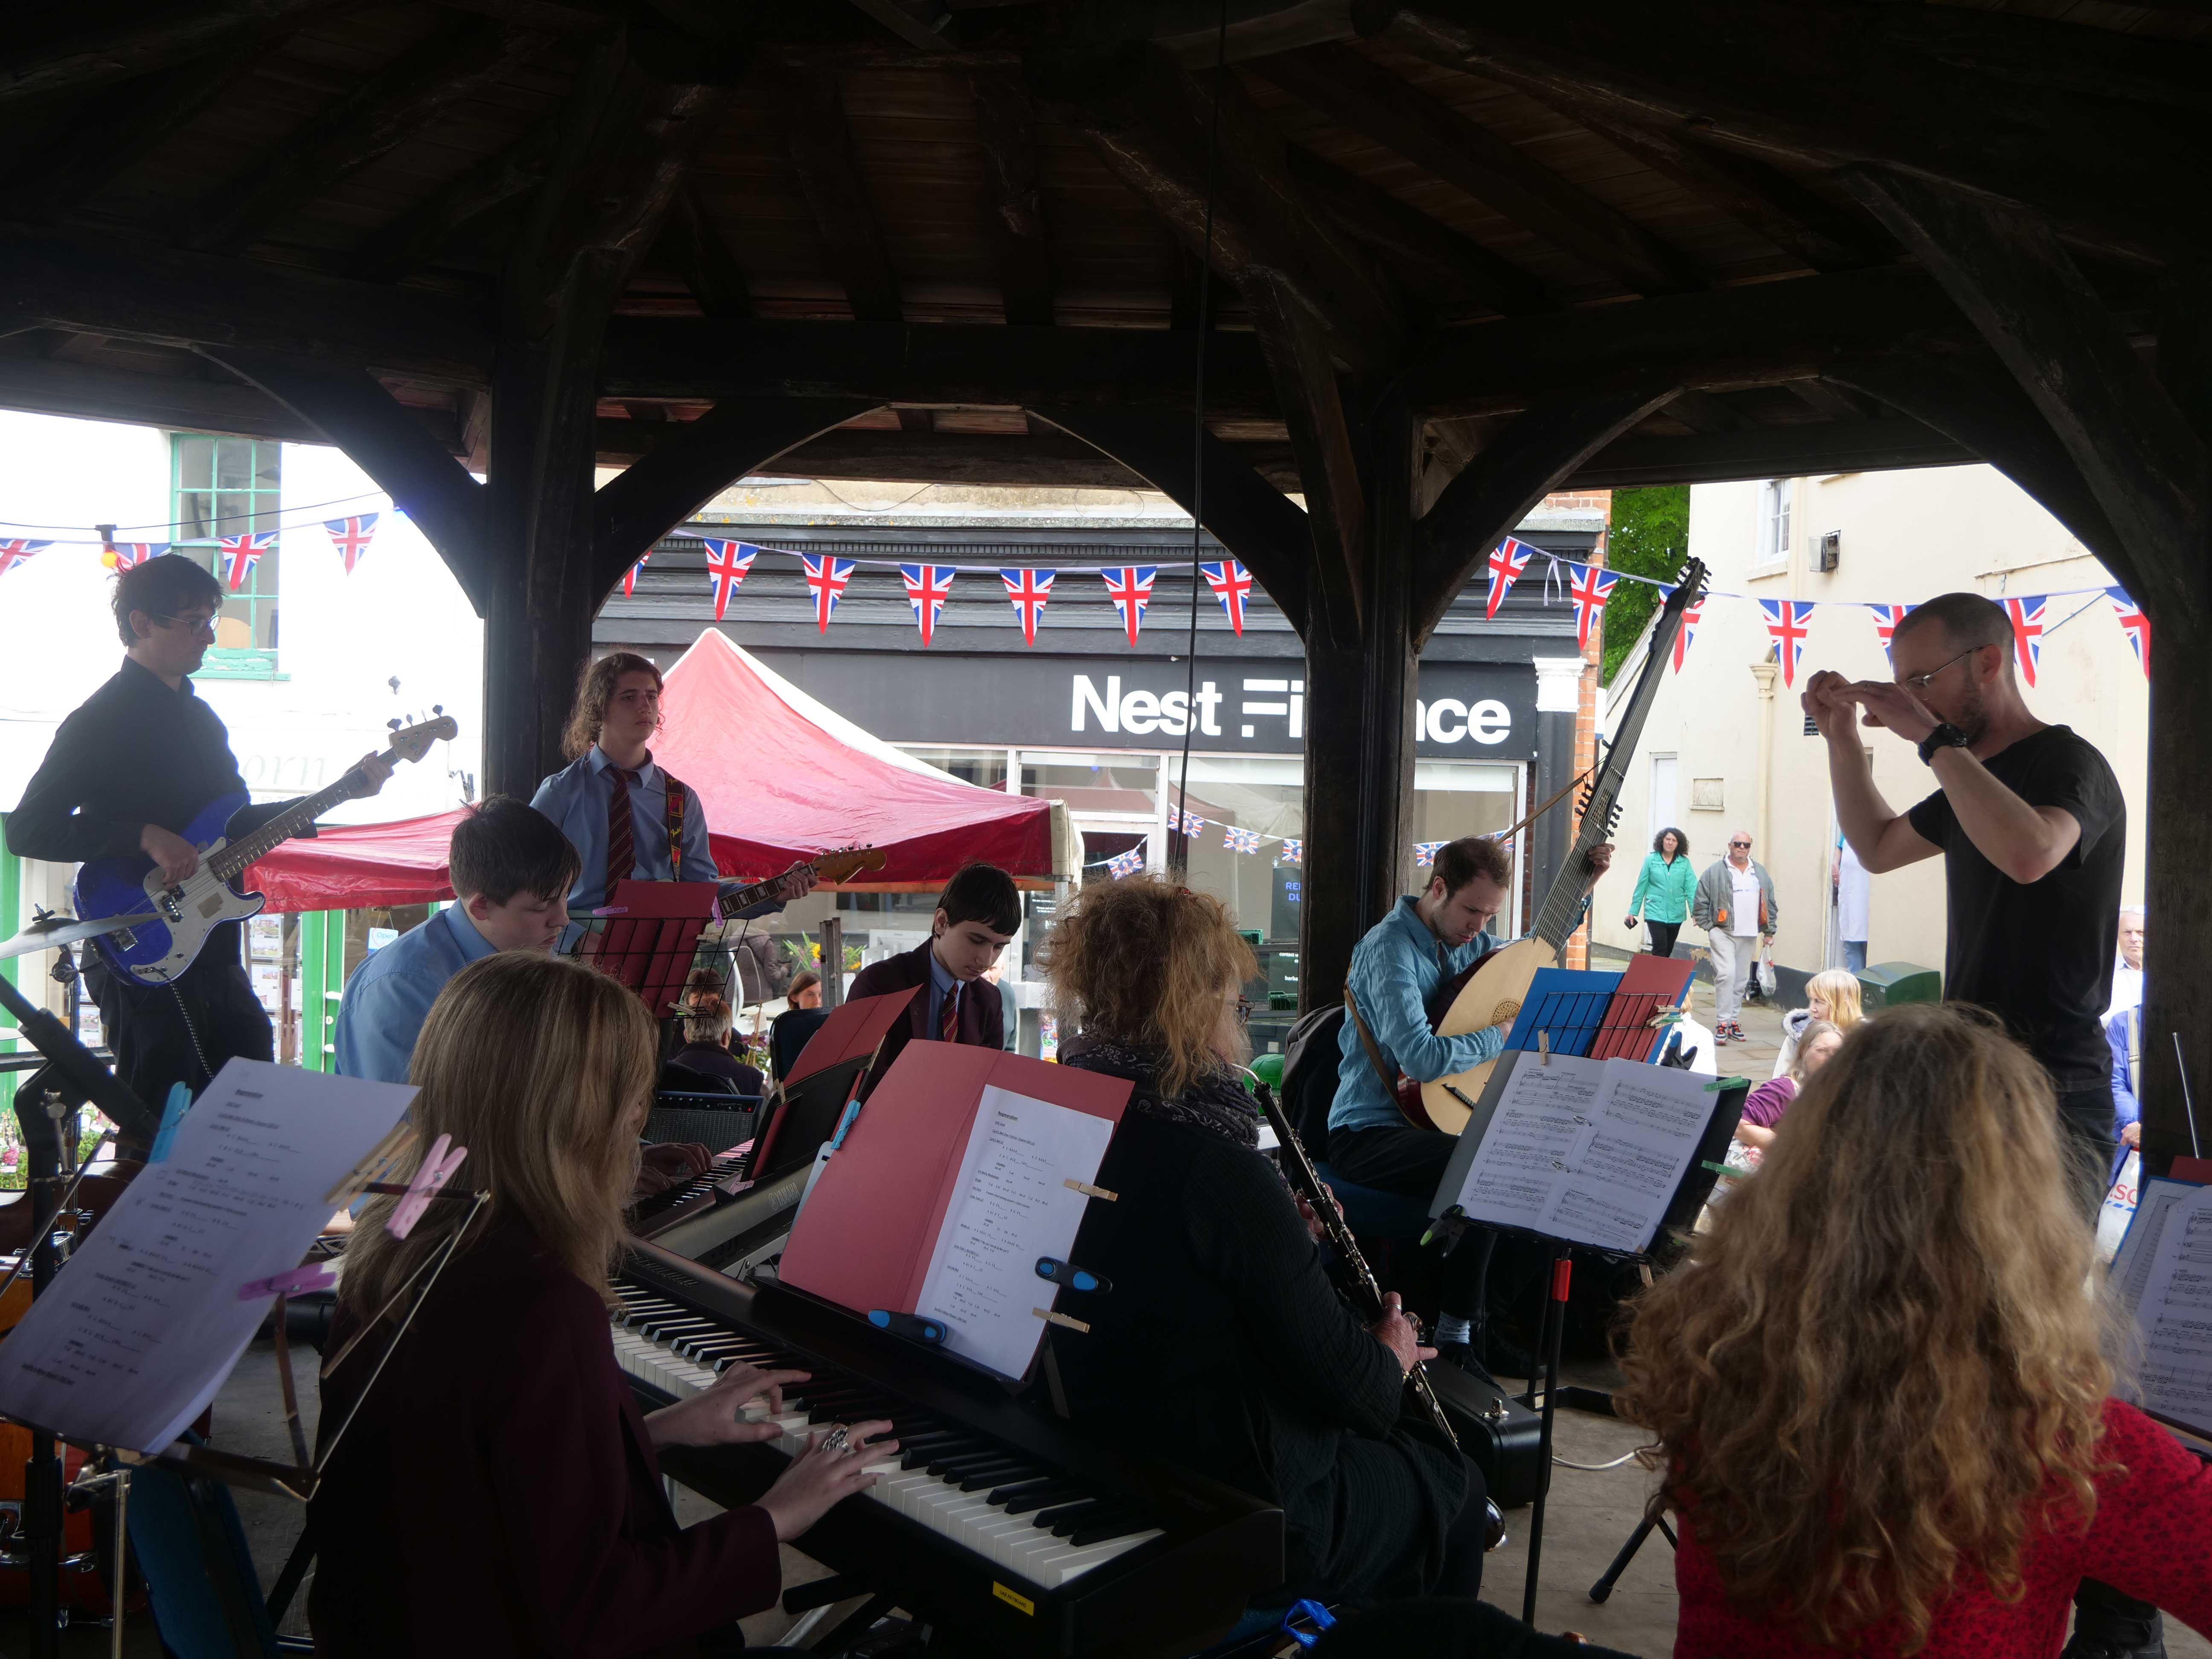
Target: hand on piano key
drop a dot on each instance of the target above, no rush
(737, 1407)
(835, 1465)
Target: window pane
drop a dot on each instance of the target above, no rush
(234, 463)
(266, 459)
(233, 511)
(195, 463)
(985, 768)
(194, 516)
(1094, 783)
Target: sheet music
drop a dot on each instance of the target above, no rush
(1011, 1206)
(143, 1323)
(1588, 1150)
(2174, 1313)
(2131, 1264)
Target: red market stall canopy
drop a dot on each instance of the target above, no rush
(781, 776)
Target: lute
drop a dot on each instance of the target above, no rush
(156, 951)
(1498, 984)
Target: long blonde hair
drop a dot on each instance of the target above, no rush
(543, 1069)
(1144, 962)
(1880, 1369)
(1838, 987)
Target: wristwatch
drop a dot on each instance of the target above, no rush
(1945, 736)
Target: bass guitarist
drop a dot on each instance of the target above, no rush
(625, 816)
(1428, 938)
(128, 771)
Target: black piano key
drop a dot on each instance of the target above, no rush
(1110, 1512)
(915, 1457)
(996, 1474)
(1013, 1489)
(961, 1463)
(1037, 1498)
(1110, 1528)
(1086, 1509)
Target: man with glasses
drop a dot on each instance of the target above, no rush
(1734, 905)
(128, 772)
(2034, 834)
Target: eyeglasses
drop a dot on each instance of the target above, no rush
(1745, 845)
(191, 624)
(1920, 682)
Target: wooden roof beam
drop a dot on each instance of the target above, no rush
(1225, 189)
(390, 106)
(1633, 461)
(702, 254)
(1007, 126)
(1355, 92)
(836, 193)
(416, 238)
(1836, 83)
(153, 35)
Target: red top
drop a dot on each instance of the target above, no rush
(2151, 1539)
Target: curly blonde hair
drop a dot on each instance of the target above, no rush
(1144, 962)
(1880, 1369)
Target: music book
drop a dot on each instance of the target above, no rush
(1567, 1005)
(852, 1031)
(1649, 984)
(964, 1168)
(141, 1325)
(2164, 1275)
(1598, 1152)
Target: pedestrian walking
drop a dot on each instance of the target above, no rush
(1734, 905)
(1664, 887)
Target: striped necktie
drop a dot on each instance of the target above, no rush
(948, 1018)
(621, 838)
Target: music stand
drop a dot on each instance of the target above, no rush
(810, 1100)
(648, 937)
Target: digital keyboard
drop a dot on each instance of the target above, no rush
(994, 1520)
(650, 1217)
(729, 1231)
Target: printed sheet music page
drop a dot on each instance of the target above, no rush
(142, 1324)
(1587, 1151)
(2172, 1304)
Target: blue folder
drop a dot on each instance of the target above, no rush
(1569, 1004)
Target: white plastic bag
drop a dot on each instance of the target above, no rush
(1763, 969)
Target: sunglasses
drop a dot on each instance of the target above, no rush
(1743, 844)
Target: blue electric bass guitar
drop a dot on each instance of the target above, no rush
(156, 951)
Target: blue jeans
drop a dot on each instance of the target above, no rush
(1854, 954)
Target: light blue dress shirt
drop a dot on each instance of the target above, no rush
(940, 987)
(1394, 971)
(577, 798)
(390, 995)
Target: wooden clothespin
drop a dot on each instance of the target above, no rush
(1089, 1191)
(1067, 1320)
(1543, 1047)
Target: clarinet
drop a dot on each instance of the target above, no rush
(1298, 1170)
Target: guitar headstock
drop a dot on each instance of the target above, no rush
(414, 742)
(849, 861)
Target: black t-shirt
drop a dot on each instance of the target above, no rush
(2040, 954)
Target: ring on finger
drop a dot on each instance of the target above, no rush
(834, 1441)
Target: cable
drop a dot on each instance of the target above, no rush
(184, 1014)
(1592, 1468)
(1178, 842)
(305, 507)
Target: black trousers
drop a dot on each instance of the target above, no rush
(1663, 934)
(182, 1032)
(1400, 1158)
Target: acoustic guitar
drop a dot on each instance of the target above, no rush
(1497, 986)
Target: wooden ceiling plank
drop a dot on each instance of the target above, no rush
(836, 192)
(710, 270)
(156, 35)
(1007, 126)
(1635, 461)
(413, 240)
(383, 111)
(1357, 93)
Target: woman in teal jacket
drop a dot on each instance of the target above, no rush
(1664, 887)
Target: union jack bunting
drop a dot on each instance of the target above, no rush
(630, 576)
(728, 562)
(13, 553)
(1232, 584)
(1130, 587)
(1886, 619)
(241, 553)
(1688, 631)
(128, 554)
(1790, 621)
(1240, 840)
(1125, 864)
(2025, 614)
(1507, 561)
(1192, 824)
(351, 537)
(1292, 852)
(2136, 624)
(1424, 852)
(927, 587)
(826, 576)
(1027, 590)
(1589, 587)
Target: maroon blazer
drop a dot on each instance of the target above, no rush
(497, 1494)
(981, 1017)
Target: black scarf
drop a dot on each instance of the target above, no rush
(1216, 1102)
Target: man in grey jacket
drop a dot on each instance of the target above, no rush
(1734, 905)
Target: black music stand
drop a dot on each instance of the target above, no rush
(1689, 1197)
(648, 937)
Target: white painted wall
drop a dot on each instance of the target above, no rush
(1906, 538)
(343, 637)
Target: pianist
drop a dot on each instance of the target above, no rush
(1222, 1345)
(498, 1491)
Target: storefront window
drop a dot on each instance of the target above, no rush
(1453, 798)
(984, 768)
(1118, 783)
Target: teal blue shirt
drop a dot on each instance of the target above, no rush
(1395, 971)
(1664, 890)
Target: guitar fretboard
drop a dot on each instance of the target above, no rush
(237, 854)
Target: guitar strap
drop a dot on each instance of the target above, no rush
(1374, 1048)
(679, 798)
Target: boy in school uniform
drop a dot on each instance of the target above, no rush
(977, 915)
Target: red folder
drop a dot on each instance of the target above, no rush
(865, 1237)
(1649, 984)
(647, 937)
(853, 1029)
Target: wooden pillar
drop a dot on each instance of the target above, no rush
(2176, 896)
(1359, 728)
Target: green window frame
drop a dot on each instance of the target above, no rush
(223, 486)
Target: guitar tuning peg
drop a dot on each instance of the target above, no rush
(437, 709)
(395, 723)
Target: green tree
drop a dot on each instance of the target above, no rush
(1649, 536)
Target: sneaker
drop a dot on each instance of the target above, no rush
(1721, 1034)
